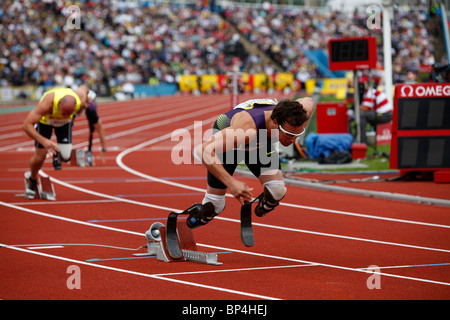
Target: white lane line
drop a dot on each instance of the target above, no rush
(79, 262)
(45, 247)
(48, 215)
(214, 247)
(238, 221)
(130, 131)
(237, 269)
(264, 255)
(120, 163)
(166, 136)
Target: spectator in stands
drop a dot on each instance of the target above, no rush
(166, 39)
(375, 109)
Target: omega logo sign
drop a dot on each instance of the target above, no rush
(425, 91)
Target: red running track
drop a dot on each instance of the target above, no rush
(316, 245)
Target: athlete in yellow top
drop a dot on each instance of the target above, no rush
(55, 111)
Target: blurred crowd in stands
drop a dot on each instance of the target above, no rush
(120, 42)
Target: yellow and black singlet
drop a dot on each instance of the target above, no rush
(56, 119)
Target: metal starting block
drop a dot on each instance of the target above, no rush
(156, 245)
(78, 158)
(200, 257)
(45, 190)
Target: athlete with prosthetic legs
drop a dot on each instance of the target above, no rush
(248, 132)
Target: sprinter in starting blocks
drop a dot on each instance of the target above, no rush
(40, 189)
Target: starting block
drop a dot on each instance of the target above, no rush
(45, 190)
(78, 158)
(156, 239)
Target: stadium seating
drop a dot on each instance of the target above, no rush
(137, 41)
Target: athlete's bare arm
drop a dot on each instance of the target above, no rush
(242, 130)
(82, 92)
(44, 107)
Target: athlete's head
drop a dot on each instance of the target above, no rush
(67, 105)
(290, 118)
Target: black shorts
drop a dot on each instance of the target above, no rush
(63, 134)
(258, 158)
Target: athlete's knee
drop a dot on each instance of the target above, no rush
(276, 188)
(218, 202)
(65, 151)
(274, 192)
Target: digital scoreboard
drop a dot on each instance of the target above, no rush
(421, 127)
(352, 53)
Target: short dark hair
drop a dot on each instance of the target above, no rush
(291, 111)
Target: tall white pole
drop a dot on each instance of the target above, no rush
(387, 49)
(445, 27)
(235, 89)
(356, 104)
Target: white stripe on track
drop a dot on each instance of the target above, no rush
(120, 163)
(135, 273)
(199, 244)
(99, 194)
(158, 114)
(209, 246)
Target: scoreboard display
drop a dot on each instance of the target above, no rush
(421, 127)
(352, 53)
